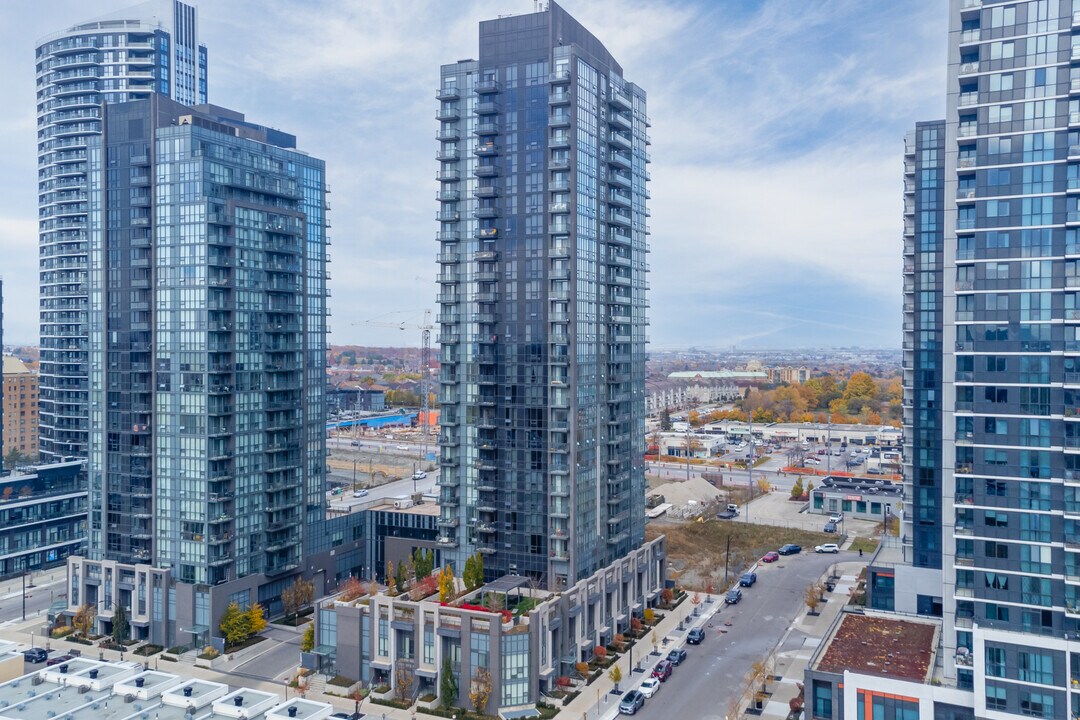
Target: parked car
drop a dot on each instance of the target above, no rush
(58, 659)
(836, 517)
(770, 557)
(695, 636)
(830, 527)
(419, 475)
(36, 655)
(676, 656)
(790, 549)
(360, 493)
(662, 671)
(748, 579)
(355, 443)
(631, 703)
(734, 595)
(402, 447)
(827, 548)
(649, 686)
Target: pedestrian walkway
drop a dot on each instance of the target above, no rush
(598, 700)
(802, 640)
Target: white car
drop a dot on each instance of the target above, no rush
(827, 548)
(419, 475)
(649, 686)
(402, 447)
(836, 517)
(360, 493)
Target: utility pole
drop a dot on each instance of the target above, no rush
(750, 470)
(688, 442)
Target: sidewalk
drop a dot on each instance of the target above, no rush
(802, 640)
(597, 700)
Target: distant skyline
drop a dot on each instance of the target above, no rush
(777, 150)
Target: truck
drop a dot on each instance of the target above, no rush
(730, 513)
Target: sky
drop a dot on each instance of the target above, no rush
(777, 148)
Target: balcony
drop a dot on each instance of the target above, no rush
(968, 98)
(486, 128)
(560, 75)
(448, 115)
(969, 67)
(559, 120)
(486, 86)
(447, 93)
(559, 97)
(487, 108)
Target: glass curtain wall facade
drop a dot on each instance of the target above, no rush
(207, 345)
(924, 184)
(1011, 450)
(149, 49)
(543, 240)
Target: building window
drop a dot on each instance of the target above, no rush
(384, 636)
(1036, 668)
(823, 693)
(995, 662)
(429, 645)
(1033, 704)
(995, 698)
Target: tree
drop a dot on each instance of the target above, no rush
(600, 652)
(421, 565)
(256, 618)
(13, 458)
(351, 589)
(403, 679)
(480, 689)
(401, 578)
(391, 579)
(121, 629)
(810, 487)
(468, 572)
(615, 676)
(693, 418)
(446, 584)
(665, 420)
(448, 687)
(797, 489)
(813, 598)
(83, 622)
(307, 642)
(235, 625)
(297, 596)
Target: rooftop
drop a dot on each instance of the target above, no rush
(15, 366)
(119, 691)
(884, 646)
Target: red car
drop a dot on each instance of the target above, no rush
(770, 557)
(662, 671)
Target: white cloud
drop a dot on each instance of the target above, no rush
(777, 130)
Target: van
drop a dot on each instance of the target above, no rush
(733, 508)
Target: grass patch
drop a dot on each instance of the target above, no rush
(867, 545)
(341, 681)
(148, 649)
(393, 702)
(700, 547)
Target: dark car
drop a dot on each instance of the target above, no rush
(58, 659)
(662, 671)
(790, 549)
(695, 636)
(734, 595)
(631, 703)
(830, 527)
(36, 655)
(748, 579)
(676, 656)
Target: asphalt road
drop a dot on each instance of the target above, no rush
(278, 662)
(713, 674)
(38, 597)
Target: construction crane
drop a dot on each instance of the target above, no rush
(425, 358)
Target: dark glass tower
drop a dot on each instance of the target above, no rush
(207, 343)
(543, 242)
(151, 48)
(924, 219)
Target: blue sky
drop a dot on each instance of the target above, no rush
(777, 148)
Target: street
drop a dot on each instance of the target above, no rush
(48, 586)
(714, 673)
